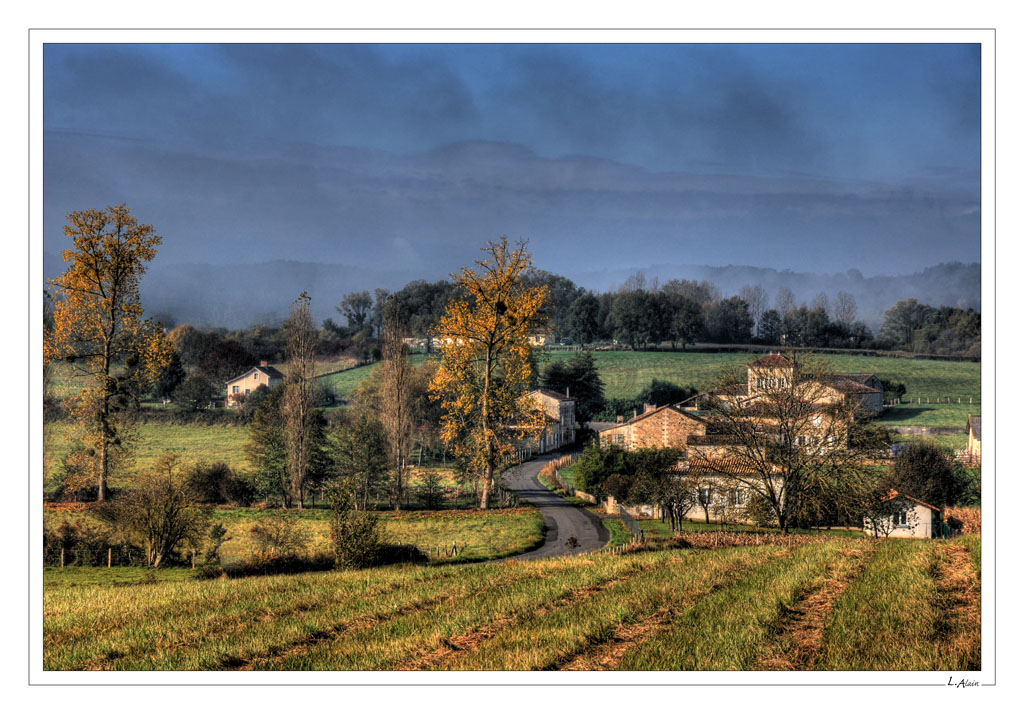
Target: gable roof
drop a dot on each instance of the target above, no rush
(896, 494)
(271, 372)
(553, 395)
(670, 407)
(862, 378)
(842, 383)
(974, 424)
(775, 361)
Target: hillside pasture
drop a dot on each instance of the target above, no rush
(835, 604)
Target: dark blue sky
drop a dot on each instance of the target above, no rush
(807, 157)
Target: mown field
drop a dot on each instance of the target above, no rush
(480, 535)
(834, 604)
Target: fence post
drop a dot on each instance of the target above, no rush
(108, 557)
(62, 556)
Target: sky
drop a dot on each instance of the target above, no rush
(813, 157)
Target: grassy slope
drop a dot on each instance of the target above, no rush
(888, 606)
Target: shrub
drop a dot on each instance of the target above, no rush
(357, 535)
(87, 544)
(278, 536)
(217, 483)
(357, 538)
(391, 553)
(969, 519)
(160, 513)
(280, 565)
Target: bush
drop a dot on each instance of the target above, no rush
(279, 565)
(85, 544)
(968, 518)
(357, 538)
(217, 483)
(160, 513)
(278, 536)
(760, 512)
(389, 554)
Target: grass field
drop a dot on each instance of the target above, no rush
(832, 604)
(209, 443)
(480, 535)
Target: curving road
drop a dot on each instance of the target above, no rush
(561, 518)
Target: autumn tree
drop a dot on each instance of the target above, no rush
(98, 328)
(395, 393)
(791, 442)
(484, 374)
(298, 402)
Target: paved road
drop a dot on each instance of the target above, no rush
(561, 518)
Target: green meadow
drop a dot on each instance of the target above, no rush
(832, 604)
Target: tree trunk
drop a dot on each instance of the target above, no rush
(485, 495)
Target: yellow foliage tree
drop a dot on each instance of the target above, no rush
(484, 374)
(98, 329)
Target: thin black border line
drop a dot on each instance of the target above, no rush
(612, 30)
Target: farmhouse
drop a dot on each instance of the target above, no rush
(262, 376)
(906, 518)
(658, 427)
(559, 421)
(775, 371)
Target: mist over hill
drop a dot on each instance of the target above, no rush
(239, 295)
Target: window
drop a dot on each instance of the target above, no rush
(255, 375)
(620, 438)
(234, 389)
(900, 518)
(247, 391)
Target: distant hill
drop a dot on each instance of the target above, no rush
(238, 295)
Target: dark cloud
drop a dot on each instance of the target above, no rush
(814, 157)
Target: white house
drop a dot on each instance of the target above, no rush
(906, 517)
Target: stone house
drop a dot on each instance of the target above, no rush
(776, 371)
(262, 376)
(559, 422)
(658, 427)
(974, 440)
(912, 519)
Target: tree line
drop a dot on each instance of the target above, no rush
(643, 314)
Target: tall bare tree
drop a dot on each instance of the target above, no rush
(395, 393)
(299, 399)
(821, 301)
(793, 441)
(846, 309)
(784, 301)
(757, 302)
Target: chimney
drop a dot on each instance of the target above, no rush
(649, 408)
(634, 413)
(567, 392)
(263, 363)
(618, 419)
